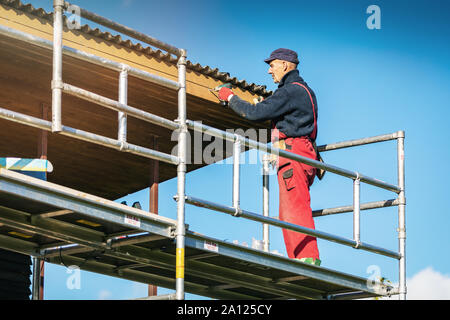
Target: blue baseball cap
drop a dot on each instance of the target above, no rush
(283, 54)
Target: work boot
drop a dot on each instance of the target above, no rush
(312, 261)
(137, 205)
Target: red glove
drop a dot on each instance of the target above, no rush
(225, 94)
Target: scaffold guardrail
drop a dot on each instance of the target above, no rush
(182, 125)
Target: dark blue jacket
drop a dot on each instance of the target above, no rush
(289, 107)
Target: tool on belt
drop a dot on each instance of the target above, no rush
(282, 145)
(279, 144)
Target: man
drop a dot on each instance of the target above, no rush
(293, 112)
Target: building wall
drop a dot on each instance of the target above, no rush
(15, 272)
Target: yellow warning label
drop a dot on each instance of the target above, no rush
(20, 234)
(89, 223)
(180, 263)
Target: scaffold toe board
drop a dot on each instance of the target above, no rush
(68, 227)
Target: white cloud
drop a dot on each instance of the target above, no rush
(427, 284)
(104, 295)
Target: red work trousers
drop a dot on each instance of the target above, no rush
(294, 180)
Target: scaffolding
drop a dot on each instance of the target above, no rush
(148, 248)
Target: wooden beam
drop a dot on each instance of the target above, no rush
(153, 207)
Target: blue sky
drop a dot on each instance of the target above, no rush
(367, 82)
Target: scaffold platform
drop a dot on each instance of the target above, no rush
(72, 228)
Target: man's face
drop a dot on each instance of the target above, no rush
(277, 70)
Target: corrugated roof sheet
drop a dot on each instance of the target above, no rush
(158, 54)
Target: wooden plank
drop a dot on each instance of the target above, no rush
(197, 84)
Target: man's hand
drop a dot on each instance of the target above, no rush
(225, 94)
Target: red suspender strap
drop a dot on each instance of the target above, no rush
(314, 133)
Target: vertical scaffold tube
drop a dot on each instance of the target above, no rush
(36, 279)
(401, 214)
(57, 83)
(181, 178)
(356, 212)
(236, 172)
(123, 99)
(266, 160)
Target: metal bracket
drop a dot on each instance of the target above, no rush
(108, 243)
(357, 245)
(237, 213)
(57, 84)
(401, 233)
(173, 232)
(123, 146)
(125, 68)
(59, 3)
(182, 59)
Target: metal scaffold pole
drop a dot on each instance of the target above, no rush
(181, 178)
(57, 82)
(236, 173)
(356, 212)
(401, 214)
(266, 163)
(123, 99)
(36, 284)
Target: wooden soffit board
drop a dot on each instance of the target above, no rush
(25, 77)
